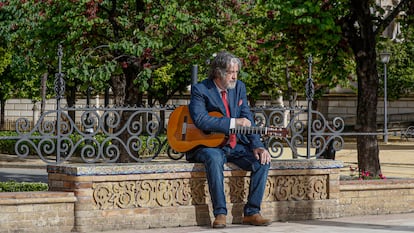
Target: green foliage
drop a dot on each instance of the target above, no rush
(7, 146)
(400, 70)
(104, 38)
(163, 76)
(5, 59)
(13, 186)
(297, 29)
(153, 44)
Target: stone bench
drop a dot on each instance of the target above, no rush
(170, 194)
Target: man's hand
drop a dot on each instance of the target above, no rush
(263, 155)
(243, 122)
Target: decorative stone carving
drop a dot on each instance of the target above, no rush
(184, 192)
(236, 189)
(199, 191)
(148, 193)
(292, 188)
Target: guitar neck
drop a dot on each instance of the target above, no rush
(260, 130)
(249, 130)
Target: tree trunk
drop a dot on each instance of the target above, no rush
(118, 84)
(368, 152)
(118, 89)
(71, 100)
(43, 88)
(359, 30)
(126, 93)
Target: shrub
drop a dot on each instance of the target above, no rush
(13, 186)
(7, 146)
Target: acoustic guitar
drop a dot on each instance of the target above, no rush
(183, 135)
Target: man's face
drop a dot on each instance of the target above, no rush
(229, 81)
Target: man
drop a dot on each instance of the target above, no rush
(222, 92)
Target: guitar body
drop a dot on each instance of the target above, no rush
(183, 135)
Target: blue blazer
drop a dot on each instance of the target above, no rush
(205, 98)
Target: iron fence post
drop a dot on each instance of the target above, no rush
(309, 97)
(59, 90)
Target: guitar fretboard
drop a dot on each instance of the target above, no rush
(258, 130)
(249, 130)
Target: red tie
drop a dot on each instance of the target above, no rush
(232, 138)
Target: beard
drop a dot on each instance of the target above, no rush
(228, 84)
(231, 85)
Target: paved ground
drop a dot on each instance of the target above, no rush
(396, 158)
(23, 175)
(397, 161)
(364, 224)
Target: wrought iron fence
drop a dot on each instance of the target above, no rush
(138, 133)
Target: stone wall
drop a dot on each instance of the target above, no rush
(37, 212)
(344, 106)
(370, 197)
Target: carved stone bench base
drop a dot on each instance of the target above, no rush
(165, 194)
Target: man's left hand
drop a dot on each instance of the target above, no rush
(263, 155)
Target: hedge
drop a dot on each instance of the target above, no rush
(13, 186)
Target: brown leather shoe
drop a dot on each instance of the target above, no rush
(220, 221)
(256, 220)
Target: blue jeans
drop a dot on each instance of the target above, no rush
(214, 159)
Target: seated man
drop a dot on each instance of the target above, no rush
(222, 92)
